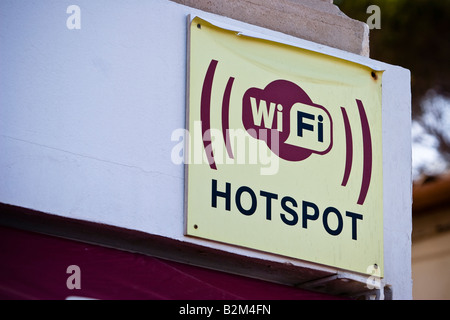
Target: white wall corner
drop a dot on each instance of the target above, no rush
(397, 178)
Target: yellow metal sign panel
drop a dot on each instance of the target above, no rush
(284, 150)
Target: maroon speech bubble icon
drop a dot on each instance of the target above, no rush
(269, 109)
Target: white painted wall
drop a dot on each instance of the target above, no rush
(86, 118)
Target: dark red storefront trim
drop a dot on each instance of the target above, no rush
(34, 266)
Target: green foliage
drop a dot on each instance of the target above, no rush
(414, 34)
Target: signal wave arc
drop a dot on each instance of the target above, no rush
(226, 117)
(205, 113)
(349, 148)
(367, 154)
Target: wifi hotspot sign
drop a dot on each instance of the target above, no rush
(282, 149)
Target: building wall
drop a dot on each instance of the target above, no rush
(430, 265)
(431, 238)
(300, 18)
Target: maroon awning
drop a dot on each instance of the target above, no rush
(34, 266)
